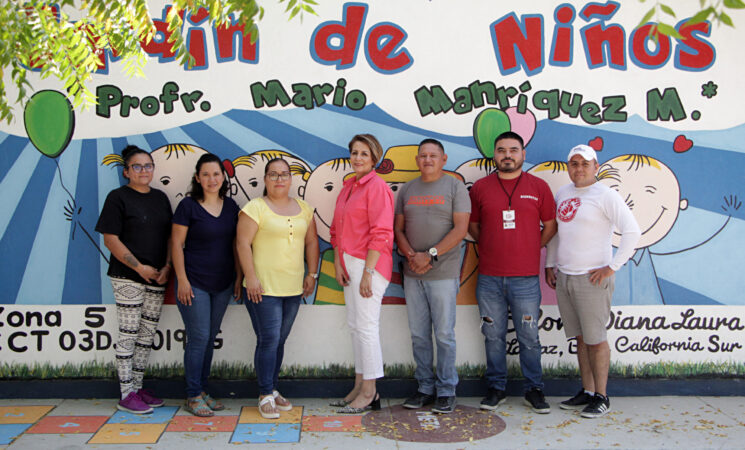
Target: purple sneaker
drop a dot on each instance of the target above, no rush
(147, 396)
(134, 404)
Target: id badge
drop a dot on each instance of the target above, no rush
(508, 215)
(509, 225)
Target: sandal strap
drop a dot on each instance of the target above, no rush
(201, 409)
(268, 399)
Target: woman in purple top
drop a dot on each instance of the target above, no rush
(207, 276)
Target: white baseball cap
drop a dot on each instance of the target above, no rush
(587, 152)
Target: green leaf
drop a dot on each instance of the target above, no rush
(294, 12)
(699, 17)
(726, 19)
(668, 10)
(668, 30)
(734, 4)
(646, 18)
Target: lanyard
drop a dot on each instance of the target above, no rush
(509, 196)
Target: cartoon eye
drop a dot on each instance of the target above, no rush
(650, 189)
(253, 182)
(394, 188)
(165, 180)
(329, 187)
(469, 185)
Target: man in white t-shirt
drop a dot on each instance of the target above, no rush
(588, 213)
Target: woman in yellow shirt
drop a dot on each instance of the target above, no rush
(274, 233)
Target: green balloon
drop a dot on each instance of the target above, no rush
(49, 121)
(489, 124)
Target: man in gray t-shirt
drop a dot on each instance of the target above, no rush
(431, 221)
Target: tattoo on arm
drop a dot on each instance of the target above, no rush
(131, 260)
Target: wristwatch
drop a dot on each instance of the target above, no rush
(433, 253)
(314, 275)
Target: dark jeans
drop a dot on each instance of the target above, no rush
(202, 323)
(272, 320)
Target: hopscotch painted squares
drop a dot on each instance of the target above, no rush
(333, 423)
(159, 415)
(14, 420)
(196, 424)
(250, 414)
(260, 433)
(128, 433)
(252, 428)
(68, 424)
(10, 431)
(23, 414)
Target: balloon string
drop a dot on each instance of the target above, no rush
(63, 184)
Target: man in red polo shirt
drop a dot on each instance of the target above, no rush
(507, 209)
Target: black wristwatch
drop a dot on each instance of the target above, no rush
(433, 254)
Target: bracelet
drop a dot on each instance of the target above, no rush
(314, 275)
(370, 270)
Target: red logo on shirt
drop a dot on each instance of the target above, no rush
(568, 209)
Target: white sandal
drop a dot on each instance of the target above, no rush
(268, 415)
(287, 407)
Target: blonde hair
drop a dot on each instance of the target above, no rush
(635, 162)
(376, 150)
(553, 166)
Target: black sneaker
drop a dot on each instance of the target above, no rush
(418, 400)
(444, 405)
(537, 402)
(494, 398)
(598, 407)
(579, 401)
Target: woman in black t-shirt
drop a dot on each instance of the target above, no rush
(136, 222)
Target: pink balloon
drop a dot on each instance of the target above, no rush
(522, 124)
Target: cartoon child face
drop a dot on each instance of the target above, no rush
(248, 180)
(398, 166)
(174, 169)
(476, 169)
(554, 173)
(650, 189)
(321, 190)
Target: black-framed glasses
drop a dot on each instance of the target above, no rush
(142, 167)
(274, 176)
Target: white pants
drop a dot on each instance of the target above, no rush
(363, 319)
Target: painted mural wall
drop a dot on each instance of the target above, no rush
(666, 118)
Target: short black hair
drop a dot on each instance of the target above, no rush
(431, 141)
(509, 135)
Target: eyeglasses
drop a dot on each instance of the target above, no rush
(274, 176)
(142, 167)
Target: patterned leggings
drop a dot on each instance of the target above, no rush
(138, 311)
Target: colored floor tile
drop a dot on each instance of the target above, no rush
(9, 431)
(250, 414)
(257, 433)
(23, 414)
(126, 433)
(193, 423)
(332, 423)
(159, 415)
(68, 424)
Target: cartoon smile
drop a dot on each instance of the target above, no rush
(651, 226)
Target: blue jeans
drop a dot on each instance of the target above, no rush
(522, 295)
(272, 319)
(431, 304)
(202, 323)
